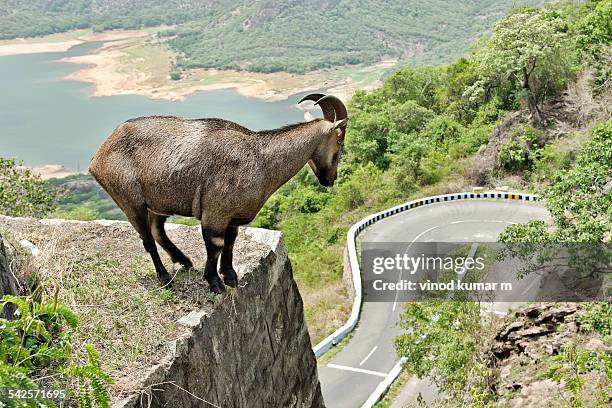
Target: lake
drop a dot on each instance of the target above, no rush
(47, 120)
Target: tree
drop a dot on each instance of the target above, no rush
(524, 42)
(368, 130)
(409, 152)
(442, 129)
(580, 203)
(441, 341)
(22, 193)
(414, 84)
(595, 28)
(593, 37)
(409, 116)
(579, 199)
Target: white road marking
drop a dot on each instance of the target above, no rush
(357, 370)
(498, 221)
(368, 356)
(421, 234)
(406, 251)
(431, 229)
(533, 282)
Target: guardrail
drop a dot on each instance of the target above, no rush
(351, 237)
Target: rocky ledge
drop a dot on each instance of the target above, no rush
(183, 347)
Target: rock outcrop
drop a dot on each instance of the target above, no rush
(253, 350)
(8, 285)
(523, 351)
(535, 328)
(247, 348)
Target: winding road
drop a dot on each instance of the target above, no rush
(352, 375)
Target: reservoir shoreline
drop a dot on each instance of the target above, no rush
(136, 62)
(46, 119)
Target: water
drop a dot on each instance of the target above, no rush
(45, 119)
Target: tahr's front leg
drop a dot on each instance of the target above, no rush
(213, 240)
(227, 255)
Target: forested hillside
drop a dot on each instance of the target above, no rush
(299, 36)
(269, 36)
(40, 17)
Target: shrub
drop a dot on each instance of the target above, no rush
(409, 117)
(22, 193)
(511, 155)
(175, 75)
(440, 342)
(598, 318)
(519, 153)
(38, 341)
(571, 368)
(81, 213)
(442, 129)
(491, 111)
(407, 168)
(550, 159)
(307, 200)
(353, 193)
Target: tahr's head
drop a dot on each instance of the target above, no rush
(325, 159)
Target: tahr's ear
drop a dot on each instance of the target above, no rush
(340, 123)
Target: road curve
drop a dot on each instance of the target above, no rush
(353, 374)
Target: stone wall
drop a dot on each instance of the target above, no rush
(247, 348)
(253, 350)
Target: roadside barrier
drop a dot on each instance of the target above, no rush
(351, 237)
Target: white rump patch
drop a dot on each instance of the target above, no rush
(218, 241)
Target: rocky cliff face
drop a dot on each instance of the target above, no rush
(253, 350)
(182, 347)
(523, 351)
(8, 284)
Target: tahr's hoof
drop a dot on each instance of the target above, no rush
(230, 278)
(166, 281)
(184, 262)
(216, 286)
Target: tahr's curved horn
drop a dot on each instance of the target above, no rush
(335, 104)
(332, 107)
(312, 97)
(328, 112)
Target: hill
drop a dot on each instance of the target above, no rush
(41, 17)
(270, 36)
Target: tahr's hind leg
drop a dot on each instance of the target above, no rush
(140, 220)
(230, 278)
(159, 234)
(122, 186)
(213, 240)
